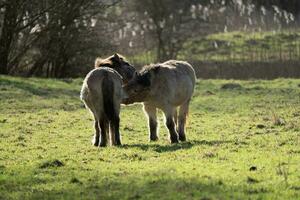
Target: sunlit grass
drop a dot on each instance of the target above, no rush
(243, 46)
(236, 46)
(235, 148)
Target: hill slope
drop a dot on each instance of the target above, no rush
(236, 46)
(244, 47)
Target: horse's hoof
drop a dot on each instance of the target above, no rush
(182, 138)
(153, 139)
(102, 145)
(174, 141)
(117, 143)
(95, 142)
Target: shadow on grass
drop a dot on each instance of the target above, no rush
(174, 147)
(39, 91)
(160, 184)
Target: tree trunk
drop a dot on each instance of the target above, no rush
(37, 65)
(161, 54)
(9, 25)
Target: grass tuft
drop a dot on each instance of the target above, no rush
(52, 163)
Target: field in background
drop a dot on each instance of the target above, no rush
(243, 142)
(237, 46)
(244, 47)
(240, 55)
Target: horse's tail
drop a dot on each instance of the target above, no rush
(108, 97)
(84, 92)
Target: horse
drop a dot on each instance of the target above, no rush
(118, 63)
(165, 86)
(102, 94)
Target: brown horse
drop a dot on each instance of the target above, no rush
(102, 93)
(165, 86)
(118, 63)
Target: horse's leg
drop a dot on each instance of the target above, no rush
(112, 135)
(114, 125)
(104, 126)
(183, 112)
(97, 133)
(176, 119)
(152, 121)
(115, 133)
(169, 114)
(95, 140)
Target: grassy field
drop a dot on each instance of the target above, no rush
(244, 46)
(236, 46)
(243, 143)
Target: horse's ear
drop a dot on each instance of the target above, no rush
(116, 58)
(156, 69)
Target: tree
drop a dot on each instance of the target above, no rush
(18, 15)
(8, 28)
(45, 38)
(167, 22)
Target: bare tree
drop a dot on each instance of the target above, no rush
(18, 15)
(42, 37)
(167, 21)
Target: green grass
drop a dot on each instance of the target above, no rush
(236, 46)
(46, 151)
(243, 46)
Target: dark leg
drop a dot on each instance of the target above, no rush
(115, 133)
(97, 134)
(181, 131)
(172, 130)
(103, 134)
(176, 118)
(169, 114)
(183, 112)
(153, 129)
(152, 121)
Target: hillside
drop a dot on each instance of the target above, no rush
(244, 46)
(236, 46)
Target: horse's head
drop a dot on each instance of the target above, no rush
(139, 87)
(118, 63)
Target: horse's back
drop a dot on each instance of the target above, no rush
(100, 85)
(182, 72)
(183, 68)
(175, 82)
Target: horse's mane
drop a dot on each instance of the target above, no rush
(107, 62)
(149, 68)
(99, 62)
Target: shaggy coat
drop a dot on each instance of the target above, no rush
(165, 86)
(102, 93)
(118, 63)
